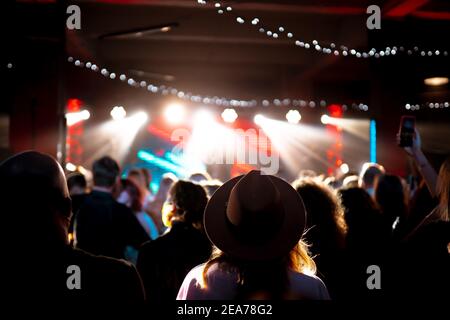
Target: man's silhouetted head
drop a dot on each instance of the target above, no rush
(105, 171)
(34, 194)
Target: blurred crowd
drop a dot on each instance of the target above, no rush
(252, 237)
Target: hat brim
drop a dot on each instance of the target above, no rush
(281, 243)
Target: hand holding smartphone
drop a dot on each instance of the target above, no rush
(407, 131)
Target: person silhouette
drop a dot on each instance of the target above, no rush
(40, 264)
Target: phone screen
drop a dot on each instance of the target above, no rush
(407, 131)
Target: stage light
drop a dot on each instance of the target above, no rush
(258, 119)
(229, 115)
(118, 113)
(160, 162)
(141, 118)
(85, 114)
(203, 117)
(75, 117)
(373, 141)
(293, 116)
(436, 81)
(116, 137)
(344, 168)
(70, 167)
(325, 119)
(292, 143)
(175, 113)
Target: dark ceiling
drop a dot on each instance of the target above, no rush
(213, 55)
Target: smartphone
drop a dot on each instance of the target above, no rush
(407, 128)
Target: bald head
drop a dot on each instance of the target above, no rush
(37, 171)
(34, 189)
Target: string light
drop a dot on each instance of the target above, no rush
(429, 105)
(214, 100)
(329, 48)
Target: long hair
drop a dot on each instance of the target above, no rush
(367, 233)
(262, 279)
(443, 190)
(325, 216)
(190, 200)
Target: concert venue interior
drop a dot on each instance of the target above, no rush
(224, 87)
(193, 56)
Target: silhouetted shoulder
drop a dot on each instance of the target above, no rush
(120, 207)
(308, 287)
(149, 247)
(107, 278)
(223, 285)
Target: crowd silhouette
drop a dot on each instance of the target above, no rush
(253, 237)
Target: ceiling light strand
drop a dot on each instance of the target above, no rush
(215, 100)
(281, 32)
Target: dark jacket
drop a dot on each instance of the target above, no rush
(43, 274)
(105, 227)
(164, 263)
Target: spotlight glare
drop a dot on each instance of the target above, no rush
(203, 117)
(70, 167)
(229, 115)
(344, 168)
(85, 114)
(75, 117)
(141, 117)
(325, 119)
(174, 113)
(118, 113)
(258, 119)
(293, 116)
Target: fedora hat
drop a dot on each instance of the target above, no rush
(255, 217)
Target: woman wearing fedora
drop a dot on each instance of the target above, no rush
(256, 222)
